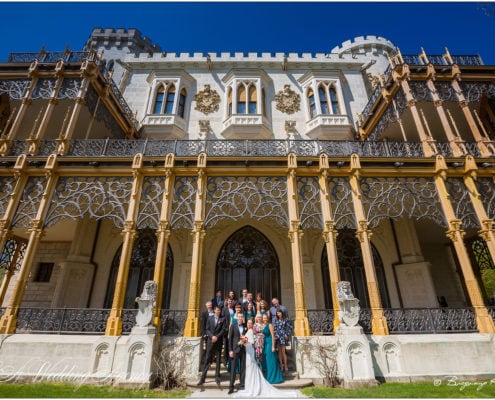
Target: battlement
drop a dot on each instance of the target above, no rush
(121, 37)
(362, 45)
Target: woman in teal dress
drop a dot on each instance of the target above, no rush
(272, 369)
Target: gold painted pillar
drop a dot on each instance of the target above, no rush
(301, 323)
(378, 320)
(329, 236)
(192, 328)
(456, 235)
(163, 234)
(114, 322)
(9, 318)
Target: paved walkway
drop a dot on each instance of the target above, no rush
(221, 393)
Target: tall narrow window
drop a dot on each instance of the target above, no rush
(160, 94)
(323, 100)
(230, 101)
(182, 103)
(252, 100)
(312, 103)
(334, 101)
(263, 106)
(241, 100)
(169, 105)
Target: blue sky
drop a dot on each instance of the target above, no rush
(463, 27)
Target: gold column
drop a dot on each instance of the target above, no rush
(329, 236)
(9, 318)
(192, 328)
(163, 234)
(301, 323)
(378, 320)
(456, 235)
(114, 322)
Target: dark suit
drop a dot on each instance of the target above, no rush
(217, 302)
(239, 354)
(214, 349)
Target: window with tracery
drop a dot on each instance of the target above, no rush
(325, 103)
(169, 98)
(13, 254)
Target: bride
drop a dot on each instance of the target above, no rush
(256, 385)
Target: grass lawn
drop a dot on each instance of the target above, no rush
(438, 389)
(61, 390)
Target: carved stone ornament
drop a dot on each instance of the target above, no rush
(207, 100)
(287, 100)
(348, 304)
(146, 304)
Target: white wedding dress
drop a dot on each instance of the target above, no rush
(256, 386)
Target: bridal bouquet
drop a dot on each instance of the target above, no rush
(259, 342)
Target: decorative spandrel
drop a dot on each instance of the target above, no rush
(96, 196)
(7, 184)
(44, 89)
(246, 197)
(385, 198)
(69, 89)
(341, 203)
(420, 91)
(15, 88)
(473, 91)
(309, 202)
(486, 188)
(12, 254)
(445, 91)
(30, 201)
(463, 207)
(150, 204)
(183, 202)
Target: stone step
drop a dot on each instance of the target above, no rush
(291, 382)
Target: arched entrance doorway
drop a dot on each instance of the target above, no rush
(141, 270)
(248, 260)
(351, 269)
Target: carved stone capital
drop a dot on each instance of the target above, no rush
(438, 103)
(411, 103)
(287, 100)
(207, 100)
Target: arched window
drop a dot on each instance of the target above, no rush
(263, 106)
(248, 260)
(241, 99)
(182, 103)
(323, 99)
(311, 103)
(160, 95)
(334, 101)
(252, 100)
(229, 96)
(169, 105)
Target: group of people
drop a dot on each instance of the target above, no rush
(250, 333)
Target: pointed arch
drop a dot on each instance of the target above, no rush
(322, 96)
(311, 103)
(253, 99)
(182, 103)
(248, 259)
(159, 97)
(169, 103)
(241, 99)
(333, 100)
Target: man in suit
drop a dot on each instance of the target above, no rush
(204, 318)
(237, 351)
(275, 307)
(217, 300)
(216, 329)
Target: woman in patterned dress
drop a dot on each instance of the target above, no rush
(283, 329)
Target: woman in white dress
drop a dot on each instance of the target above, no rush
(256, 385)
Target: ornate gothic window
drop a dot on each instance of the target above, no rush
(141, 269)
(248, 260)
(160, 94)
(351, 268)
(182, 103)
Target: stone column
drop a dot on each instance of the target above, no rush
(192, 328)
(456, 235)
(301, 323)
(114, 322)
(329, 236)
(378, 320)
(163, 234)
(9, 318)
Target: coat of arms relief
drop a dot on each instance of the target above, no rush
(207, 100)
(287, 100)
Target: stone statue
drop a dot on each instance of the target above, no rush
(146, 303)
(348, 304)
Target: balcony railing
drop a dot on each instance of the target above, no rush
(239, 148)
(400, 321)
(48, 57)
(462, 60)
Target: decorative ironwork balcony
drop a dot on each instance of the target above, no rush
(247, 126)
(164, 126)
(331, 127)
(48, 57)
(462, 60)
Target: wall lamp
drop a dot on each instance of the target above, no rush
(309, 163)
(94, 163)
(487, 165)
(457, 164)
(340, 164)
(398, 164)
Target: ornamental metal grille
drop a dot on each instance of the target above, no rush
(473, 91)
(341, 203)
(463, 207)
(150, 203)
(248, 260)
(98, 197)
(395, 198)
(87, 148)
(308, 190)
(486, 188)
(7, 183)
(69, 89)
(182, 216)
(246, 197)
(15, 88)
(44, 88)
(320, 321)
(30, 201)
(445, 91)
(13, 254)
(481, 254)
(388, 117)
(18, 147)
(47, 147)
(420, 91)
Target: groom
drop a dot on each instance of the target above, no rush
(237, 350)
